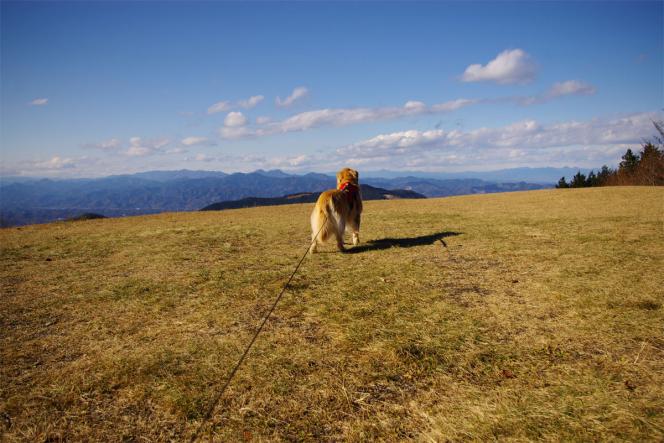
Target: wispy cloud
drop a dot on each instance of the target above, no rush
(55, 163)
(39, 102)
(88, 166)
(227, 105)
(509, 67)
(527, 141)
(570, 87)
(202, 158)
(344, 116)
(557, 90)
(106, 146)
(222, 106)
(193, 141)
(326, 117)
(141, 148)
(55, 166)
(251, 102)
(298, 93)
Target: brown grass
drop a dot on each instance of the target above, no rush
(541, 320)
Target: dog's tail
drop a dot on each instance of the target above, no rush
(322, 223)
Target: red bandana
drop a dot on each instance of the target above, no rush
(350, 189)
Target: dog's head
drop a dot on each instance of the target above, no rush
(347, 175)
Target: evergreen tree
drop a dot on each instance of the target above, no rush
(592, 179)
(651, 166)
(603, 175)
(650, 151)
(659, 126)
(629, 162)
(578, 181)
(562, 183)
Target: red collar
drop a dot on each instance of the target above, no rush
(350, 190)
(348, 185)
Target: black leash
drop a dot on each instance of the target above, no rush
(216, 399)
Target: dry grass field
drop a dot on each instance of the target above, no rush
(541, 319)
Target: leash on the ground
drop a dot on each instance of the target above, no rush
(216, 399)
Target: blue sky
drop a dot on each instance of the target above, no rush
(98, 88)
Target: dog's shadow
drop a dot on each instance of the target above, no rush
(405, 242)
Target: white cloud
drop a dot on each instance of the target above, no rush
(55, 163)
(329, 117)
(203, 158)
(38, 102)
(235, 132)
(453, 105)
(53, 167)
(348, 116)
(570, 87)
(557, 90)
(588, 143)
(298, 93)
(141, 148)
(226, 105)
(222, 106)
(234, 126)
(343, 117)
(415, 105)
(510, 66)
(295, 162)
(298, 160)
(192, 141)
(106, 146)
(251, 102)
(527, 141)
(235, 119)
(138, 151)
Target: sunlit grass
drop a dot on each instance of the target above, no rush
(541, 319)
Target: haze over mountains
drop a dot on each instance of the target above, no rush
(547, 175)
(35, 200)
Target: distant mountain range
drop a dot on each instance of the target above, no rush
(548, 175)
(31, 200)
(442, 188)
(368, 193)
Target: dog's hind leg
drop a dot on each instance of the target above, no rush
(339, 233)
(319, 229)
(355, 227)
(314, 245)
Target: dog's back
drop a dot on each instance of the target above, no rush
(337, 208)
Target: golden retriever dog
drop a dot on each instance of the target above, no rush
(337, 210)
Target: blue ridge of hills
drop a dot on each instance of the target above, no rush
(368, 193)
(33, 200)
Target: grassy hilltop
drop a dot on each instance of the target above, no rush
(542, 319)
